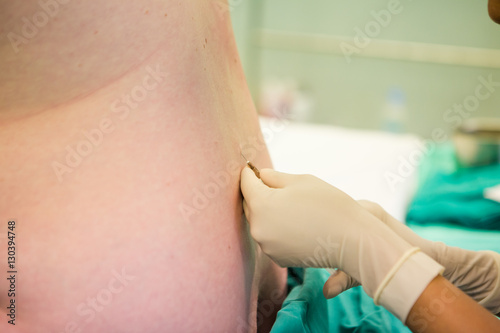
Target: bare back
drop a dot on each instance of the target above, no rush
(121, 168)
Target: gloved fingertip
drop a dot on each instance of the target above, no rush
(331, 289)
(330, 295)
(247, 177)
(251, 186)
(337, 283)
(245, 172)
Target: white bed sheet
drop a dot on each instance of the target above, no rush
(356, 161)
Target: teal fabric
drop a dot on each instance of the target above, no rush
(454, 235)
(306, 310)
(456, 195)
(458, 199)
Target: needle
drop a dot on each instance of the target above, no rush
(251, 166)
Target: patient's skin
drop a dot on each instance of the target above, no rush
(117, 237)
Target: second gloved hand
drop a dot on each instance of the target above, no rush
(476, 273)
(299, 220)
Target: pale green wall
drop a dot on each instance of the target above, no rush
(354, 94)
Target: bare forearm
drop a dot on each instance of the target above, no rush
(444, 308)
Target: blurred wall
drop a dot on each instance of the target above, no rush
(353, 92)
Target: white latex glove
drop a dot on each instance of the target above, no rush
(301, 221)
(476, 273)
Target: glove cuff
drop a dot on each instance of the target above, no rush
(406, 281)
(492, 301)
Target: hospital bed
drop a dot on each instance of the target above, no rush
(360, 163)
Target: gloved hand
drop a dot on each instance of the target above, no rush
(301, 221)
(476, 273)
